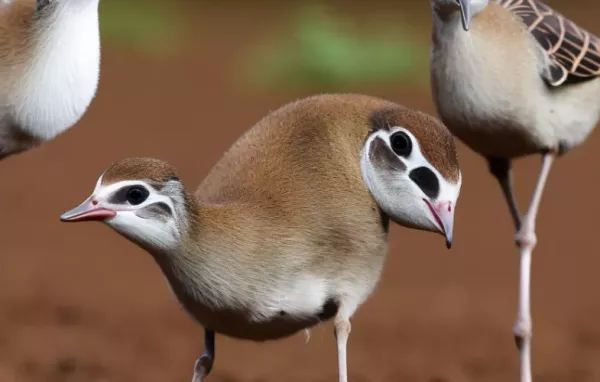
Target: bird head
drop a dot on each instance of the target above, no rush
(140, 198)
(409, 163)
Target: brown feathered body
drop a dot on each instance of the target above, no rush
(49, 68)
(283, 232)
(515, 83)
(286, 216)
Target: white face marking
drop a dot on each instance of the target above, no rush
(397, 194)
(151, 233)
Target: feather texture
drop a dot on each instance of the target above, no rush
(574, 52)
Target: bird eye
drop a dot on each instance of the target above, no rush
(137, 194)
(401, 143)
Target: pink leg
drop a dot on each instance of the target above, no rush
(204, 363)
(342, 332)
(526, 240)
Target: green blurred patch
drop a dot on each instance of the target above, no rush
(151, 26)
(323, 51)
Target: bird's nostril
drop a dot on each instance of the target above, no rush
(426, 180)
(94, 202)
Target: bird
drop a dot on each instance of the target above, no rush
(289, 228)
(510, 79)
(49, 69)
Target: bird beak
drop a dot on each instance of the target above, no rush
(443, 213)
(88, 211)
(465, 13)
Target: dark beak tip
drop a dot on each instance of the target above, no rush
(448, 244)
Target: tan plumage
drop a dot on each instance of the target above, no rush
(512, 78)
(283, 233)
(49, 66)
(16, 21)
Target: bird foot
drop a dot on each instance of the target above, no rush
(202, 367)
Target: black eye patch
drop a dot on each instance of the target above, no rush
(119, 197)
(133, 195)
(382, 156)
(426, 180)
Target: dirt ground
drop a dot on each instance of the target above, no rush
(80, 303)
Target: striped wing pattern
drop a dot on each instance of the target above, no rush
(575, 52)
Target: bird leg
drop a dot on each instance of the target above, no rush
(204, 363)
(501, 169)
(526, 240)
(342, 331)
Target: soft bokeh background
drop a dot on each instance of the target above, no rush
(181, 80)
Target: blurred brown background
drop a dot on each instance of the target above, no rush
(181, 80)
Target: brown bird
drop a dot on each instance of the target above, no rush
(49, 68)
(290, 227)
(512, 78)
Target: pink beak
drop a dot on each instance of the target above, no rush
(443, 212)
(88, 211)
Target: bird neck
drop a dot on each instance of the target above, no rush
(448, 14)
(209, 250)
(446, 24)
(448, 29)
